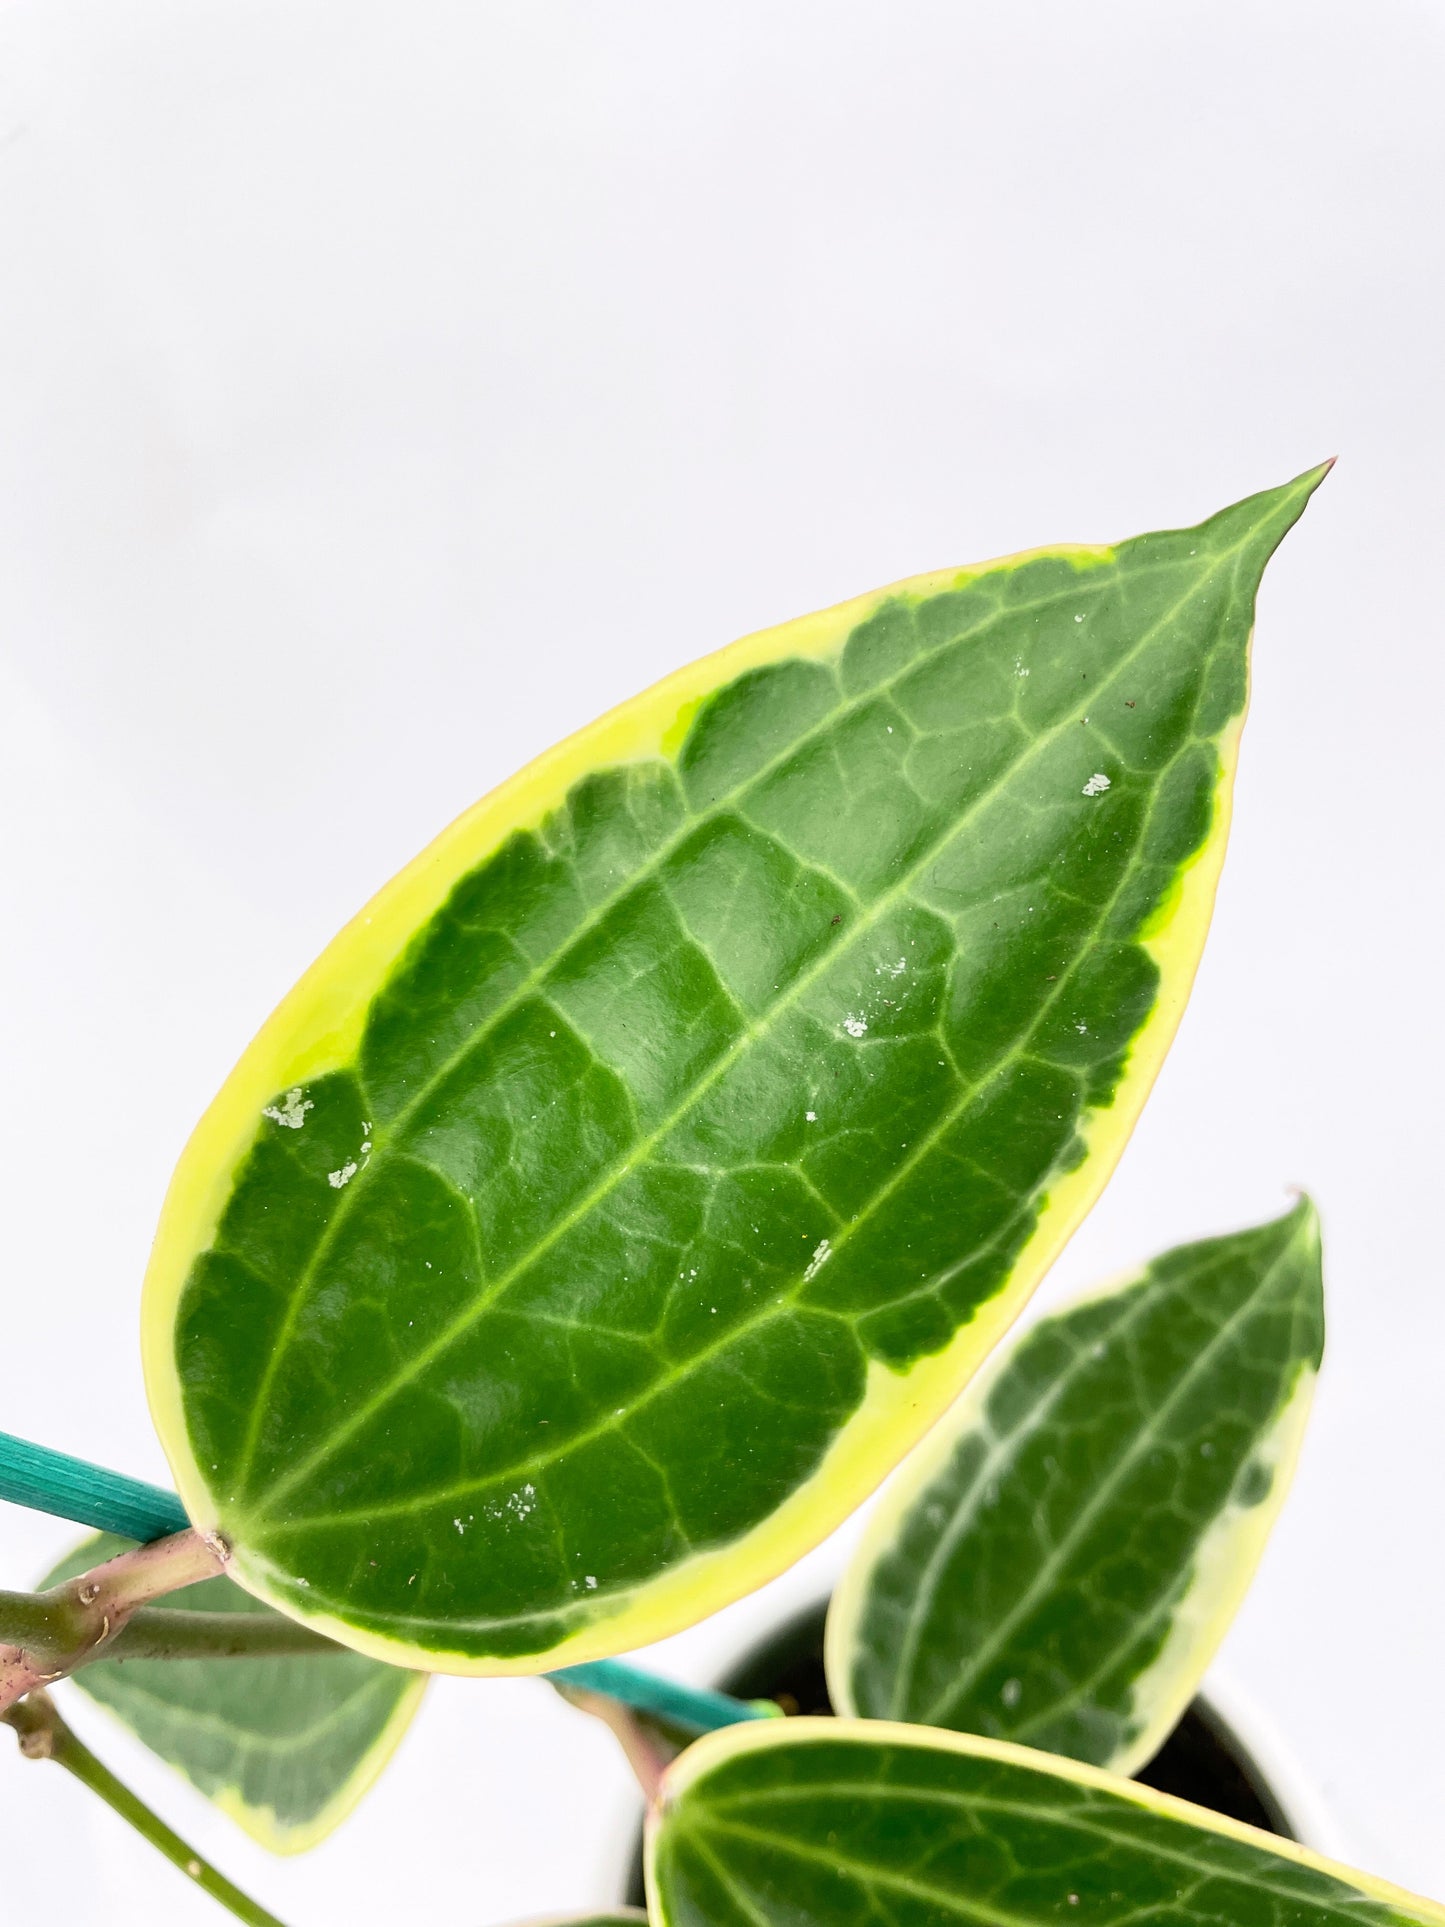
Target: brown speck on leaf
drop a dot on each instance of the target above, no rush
(1127, 703)
(839, 917)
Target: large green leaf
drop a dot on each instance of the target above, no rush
(286, 1746)
(1059, 1560)
(837, 1823)
(651, 1163)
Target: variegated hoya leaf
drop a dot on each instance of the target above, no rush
(285, 1745)
(1061, 1557)
(814, 1823)
(654, 1159)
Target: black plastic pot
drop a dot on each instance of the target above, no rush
(1203, 1759)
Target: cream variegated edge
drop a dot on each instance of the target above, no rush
(714, 1749)
(264, 1827)
(318, 1027)
(1221, 1571)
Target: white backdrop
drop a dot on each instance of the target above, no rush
(386, 388)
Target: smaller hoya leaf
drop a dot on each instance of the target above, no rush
(833, 1823)
(1058, 1563)
(285, 1745)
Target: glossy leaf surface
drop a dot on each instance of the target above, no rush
(832, 1823)
(1060, 1559)
(286, 1746)
(629, 1187)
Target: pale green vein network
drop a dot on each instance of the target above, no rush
(1002, 1453)
(182, 1715)
(974, 1663)
(1080, 1818)
(834, 1859)
(886, 900)
(514, 999)
(1243, 1864)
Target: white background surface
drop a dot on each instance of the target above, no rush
(385, 389)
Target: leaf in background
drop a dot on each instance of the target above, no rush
(651, 1163)
(1059, 1561)
(819, 1823)
(286, 1746)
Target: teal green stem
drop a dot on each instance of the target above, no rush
(692, 1706)
(46, 1481)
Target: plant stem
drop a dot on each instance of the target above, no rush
(53, 1482)
(160, 1632)
(696, 1707)
(64, 1627)
(35, 1622)
(645, 1749)
(44, 1735)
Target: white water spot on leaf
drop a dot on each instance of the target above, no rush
(819, 1258)
(855, 1026)
(521, 1503)
(1012, 1693)
(1096, 784)
(1078, 618)
(290, 1113)
(591, 1582)
(1082, 1029)
(1019, 669)
(336, 1179)
(812, 1117)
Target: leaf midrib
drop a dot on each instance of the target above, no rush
(1083, 1520)
(296, 1473)
(1052, 1816)
(530, 1466)
(476, 1624)
(182, 1715)
(538, 975)
(1003, 1451)
(1169, 1606)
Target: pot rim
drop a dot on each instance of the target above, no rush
(1309, 1815)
